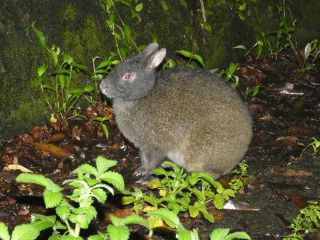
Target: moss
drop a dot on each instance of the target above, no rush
(69, 13)
(84, 41)
(26, 115)
(20, 105)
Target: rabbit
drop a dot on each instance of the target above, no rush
(190, 117)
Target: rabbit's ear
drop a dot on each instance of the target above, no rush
(157, 58)
(152, 47)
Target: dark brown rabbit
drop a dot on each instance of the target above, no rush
(190, 117)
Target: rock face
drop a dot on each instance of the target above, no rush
(79, 27)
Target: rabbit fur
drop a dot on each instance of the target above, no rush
(188, 116)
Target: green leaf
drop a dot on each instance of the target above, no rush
(39, 180)
(169, 217)
(255, 91)
(62, 71)
(63, 211)
(193, 211)
(61, 79)
(159, 171)
(105, 130)
(25, 232)
(206, 26)
(139, 7)
(219, 234)
(154, 222)
(183, 3)
(86, 168)
(103, 64)
(4, 233)
(100, 195)
(206, 214)
(199, 59)
(127, 200)
(237, 235)
(89, 89)
(240, 47)
(132, 219)
(164, 5)
(97, 237)
(185, 53)
(41, 70)
(193, 179)
(218, 201)
(40, 36)
(104, 164)
(79, 66)
(83, 216)
(54, 55)
(123, 52)
(153, 184)
(174, 207)
(127, 30)
(118, 232)
(42, 222)
(52, 199)
(113, 178)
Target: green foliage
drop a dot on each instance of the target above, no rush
(91, 183)
(308, 221)
(311, 51)
(122, 32)
(20, 232)
(55, 79)
(173, 221)
(191, 57)
(277, 40)
(229, 74)
(223, 234)
(74, 211)
(315, 145)
(181, 192)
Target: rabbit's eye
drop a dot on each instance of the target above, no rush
(128, 77)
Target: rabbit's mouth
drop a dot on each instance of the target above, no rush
(105, 90)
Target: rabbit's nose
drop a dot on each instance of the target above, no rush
(103, 86)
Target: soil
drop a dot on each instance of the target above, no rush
(284, 171)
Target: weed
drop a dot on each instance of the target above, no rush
(173, 221)
(308, 221)
(74, 211)
(277, 40)
(315, 145)
(55, 79)
(311, 51)
(182, 192)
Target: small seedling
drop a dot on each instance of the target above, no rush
(179, 191)
(315, 145)
(308, 221)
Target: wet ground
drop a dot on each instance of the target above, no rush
(286, 115)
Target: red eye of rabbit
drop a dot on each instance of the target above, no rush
(127, 76)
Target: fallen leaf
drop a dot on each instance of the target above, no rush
(16, 166)
(52, 150)
(295, 173)
(299, 201)
(119, 213)
(56, 137)
(290, 139)
(76, 132)
(266, 117)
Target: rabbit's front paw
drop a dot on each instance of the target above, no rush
(141, 171)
